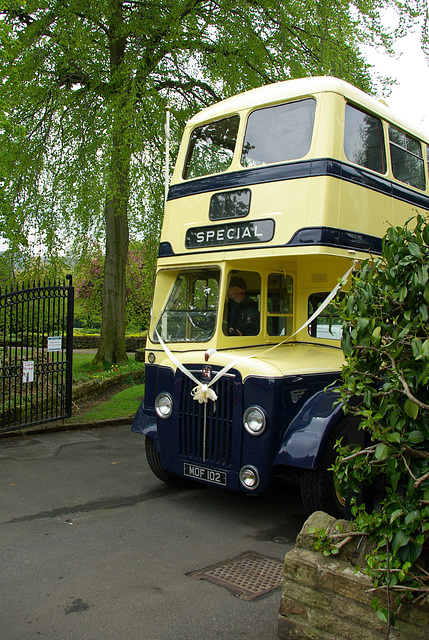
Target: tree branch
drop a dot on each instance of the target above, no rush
(187, 86)
(421, 479)
(406, 389)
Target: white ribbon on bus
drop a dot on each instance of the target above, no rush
(203, 392)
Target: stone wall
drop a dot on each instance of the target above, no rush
(327, 598)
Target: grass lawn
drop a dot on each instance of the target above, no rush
(121, 404)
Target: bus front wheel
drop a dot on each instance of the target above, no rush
(154, 462)
(319, 490)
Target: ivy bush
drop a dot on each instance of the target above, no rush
(385, 382)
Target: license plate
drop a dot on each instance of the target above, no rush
(201, 473)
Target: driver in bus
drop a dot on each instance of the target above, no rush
(243, 314)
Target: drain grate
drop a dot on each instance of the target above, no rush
(249, 575)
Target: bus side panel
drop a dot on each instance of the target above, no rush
(358, 208)
(308, 433)
(145, 421)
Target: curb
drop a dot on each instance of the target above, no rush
(65, 425)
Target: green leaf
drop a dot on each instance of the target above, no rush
(414, 249)
(395, 515)
(411, 409)
(382, 615)
(367, 397)
(416, 346)
(425, 234)
(402, 293)
(422, 275)
(423, 310)
(362, 324)
(381, 452)
(394, 480)
(346, 343)
(376, 336)
(400, 540)
(394, 437)
(416, 436)
(410, 551)
(413, 515)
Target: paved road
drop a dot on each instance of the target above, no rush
(95, 547)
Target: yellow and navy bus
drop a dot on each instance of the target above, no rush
(276, 193)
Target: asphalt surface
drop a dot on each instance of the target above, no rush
(95, 547)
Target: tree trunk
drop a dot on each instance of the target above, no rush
(112, 347)
(112, 336)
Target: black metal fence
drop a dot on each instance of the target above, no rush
(36, 352)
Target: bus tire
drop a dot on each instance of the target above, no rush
(154, 461)
(318, 491)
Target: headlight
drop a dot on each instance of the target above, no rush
(249, 477)
(164, 405)
(254, 420)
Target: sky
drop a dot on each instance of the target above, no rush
(409, 98)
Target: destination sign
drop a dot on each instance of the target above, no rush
(230, 233)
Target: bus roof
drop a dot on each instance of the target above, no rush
(289, 89)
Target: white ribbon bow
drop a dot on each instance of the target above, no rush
(203, 393)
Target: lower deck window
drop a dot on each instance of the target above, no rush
(327, 325)
(280, 305)
(242, 311)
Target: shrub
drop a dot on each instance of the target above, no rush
(385, 382)
(139, 287)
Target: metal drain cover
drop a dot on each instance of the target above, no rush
(249, 575)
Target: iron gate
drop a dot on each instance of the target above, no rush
(36, 352)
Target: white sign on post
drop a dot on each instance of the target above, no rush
(54, 343)
(28, 371)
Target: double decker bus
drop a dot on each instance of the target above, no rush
(275, 194)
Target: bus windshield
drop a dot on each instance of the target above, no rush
(191, 309)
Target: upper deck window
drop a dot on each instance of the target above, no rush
(211, 148)
(363, 140)
(407, 158)
(279, 133)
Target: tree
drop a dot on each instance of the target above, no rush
(139, 286)
(386, 343)
(85, 85)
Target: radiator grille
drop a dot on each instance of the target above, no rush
(207, 438)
